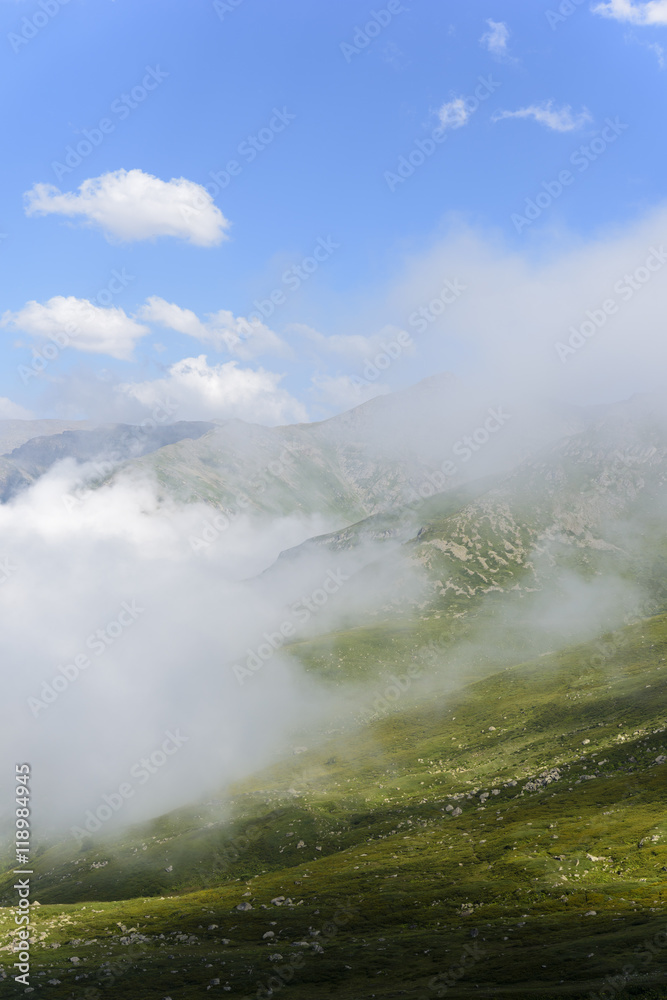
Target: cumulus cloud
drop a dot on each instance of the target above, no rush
(558, 119)
(454, 114)
(77, 323)
(652, 13)
(495, 39)
(200, 391)
(129, 205)
(13, 411)
(245, 338)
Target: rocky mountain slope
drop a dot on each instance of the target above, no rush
(368, 460)
(107, 446)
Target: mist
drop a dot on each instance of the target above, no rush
(149, 641)
(182, 625)
(104, 591)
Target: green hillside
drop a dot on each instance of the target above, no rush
(508, 840)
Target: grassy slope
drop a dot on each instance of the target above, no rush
(370, 807)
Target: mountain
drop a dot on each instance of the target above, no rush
(106, 445)
(504, 839)
(14, 433)
(572, 537)
(482, 814)
(368, 460)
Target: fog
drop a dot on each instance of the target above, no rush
(173, 652)
(108, 579)
(520, 299)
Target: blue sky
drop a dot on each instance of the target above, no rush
(336, 118)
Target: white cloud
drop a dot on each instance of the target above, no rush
(659, 53)
(495, 39)
(218, 392)
(522, 302)
(78, 323)
(245, 338)
(130, 205)
(12, 411)
(454, 113)
(652, 13)
(558, 119)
